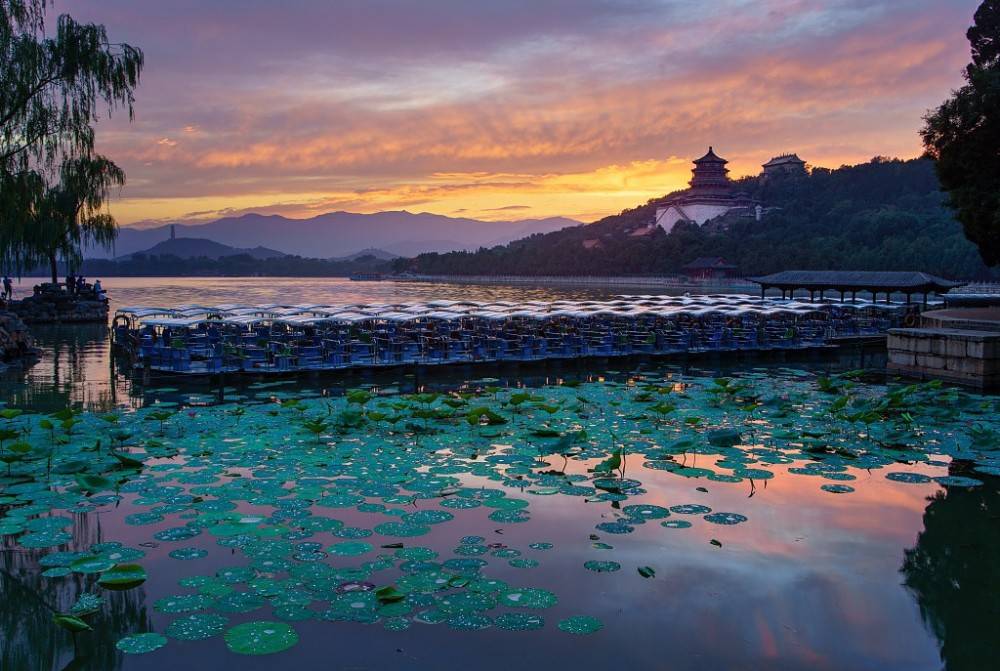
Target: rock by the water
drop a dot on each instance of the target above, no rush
(16, 342)
(51, 304)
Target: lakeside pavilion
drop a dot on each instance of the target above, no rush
(854, 282)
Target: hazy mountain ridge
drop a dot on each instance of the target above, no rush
(192, 248)
(342, 234)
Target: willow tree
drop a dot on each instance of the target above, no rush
(963, 138)
(53, 89)
(71, 214)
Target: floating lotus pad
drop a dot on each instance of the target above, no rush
(188, 553)
(196, 627)
(725, 518)
(580, 624)
(138, 644)
(690, 509)
(529, 597)
(676, 524)
(261, 638)
(602, 566)
(519, 622)
(122, 577)
(917, 478)
(350, 548)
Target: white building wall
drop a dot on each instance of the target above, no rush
(667, 217)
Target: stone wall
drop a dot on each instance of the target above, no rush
(956, 355)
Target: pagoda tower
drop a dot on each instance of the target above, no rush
(710, 176)
(711, 195)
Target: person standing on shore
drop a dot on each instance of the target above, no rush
(8, 288)
(70, 284)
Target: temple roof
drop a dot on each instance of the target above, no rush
(710, 157)
(783, 160)
(708, 262)
(856, 280)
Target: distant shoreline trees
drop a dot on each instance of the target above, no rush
(52, 88)
(962, 136)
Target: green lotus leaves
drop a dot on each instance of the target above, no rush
(529, 597)
(138, 644)
(350, 548)
(261, 638)
(610, 460)
(91, 564)
(122, 577)
(602, 566)
(196, 627)
(580, 624)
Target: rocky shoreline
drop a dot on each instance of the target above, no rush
(50, 304)
(16, 343)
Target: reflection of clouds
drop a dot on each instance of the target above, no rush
(363, 103)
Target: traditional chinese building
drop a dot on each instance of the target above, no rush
(710, 195)
(786, 164)
(709, 267)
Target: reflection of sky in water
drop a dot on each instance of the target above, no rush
(812, 580)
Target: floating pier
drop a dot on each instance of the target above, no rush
(199, 340)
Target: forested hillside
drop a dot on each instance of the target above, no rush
(881, 215)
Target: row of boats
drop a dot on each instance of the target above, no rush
(199, 339)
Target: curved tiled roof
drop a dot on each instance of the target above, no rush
(862, 280)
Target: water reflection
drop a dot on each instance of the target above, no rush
(75, 369)
(954, 572)
(30, 639)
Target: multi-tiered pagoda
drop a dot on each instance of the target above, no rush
(710, 177)
(711, 195)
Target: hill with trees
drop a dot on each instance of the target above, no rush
(193, 248)
(886, 214)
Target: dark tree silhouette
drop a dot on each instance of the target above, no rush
(953, 572)
(53, 85)
(963, 136)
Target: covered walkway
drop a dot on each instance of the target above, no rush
(907, 283)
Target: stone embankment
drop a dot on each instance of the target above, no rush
(50, 304)
(956, 345)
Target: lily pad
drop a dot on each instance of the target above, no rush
(138, 644)
(261, 638)
(580, 624)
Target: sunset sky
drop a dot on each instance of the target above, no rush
(506, 109)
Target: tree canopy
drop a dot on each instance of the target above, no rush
(71, 213)
(963, 137)
(52, 91)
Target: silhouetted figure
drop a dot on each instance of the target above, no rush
(8, 288)
(70, 284)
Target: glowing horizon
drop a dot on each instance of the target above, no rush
(516, 110)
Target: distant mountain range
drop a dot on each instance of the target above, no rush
(194, 248)
(339, 234)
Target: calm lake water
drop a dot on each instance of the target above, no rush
(745, 523)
